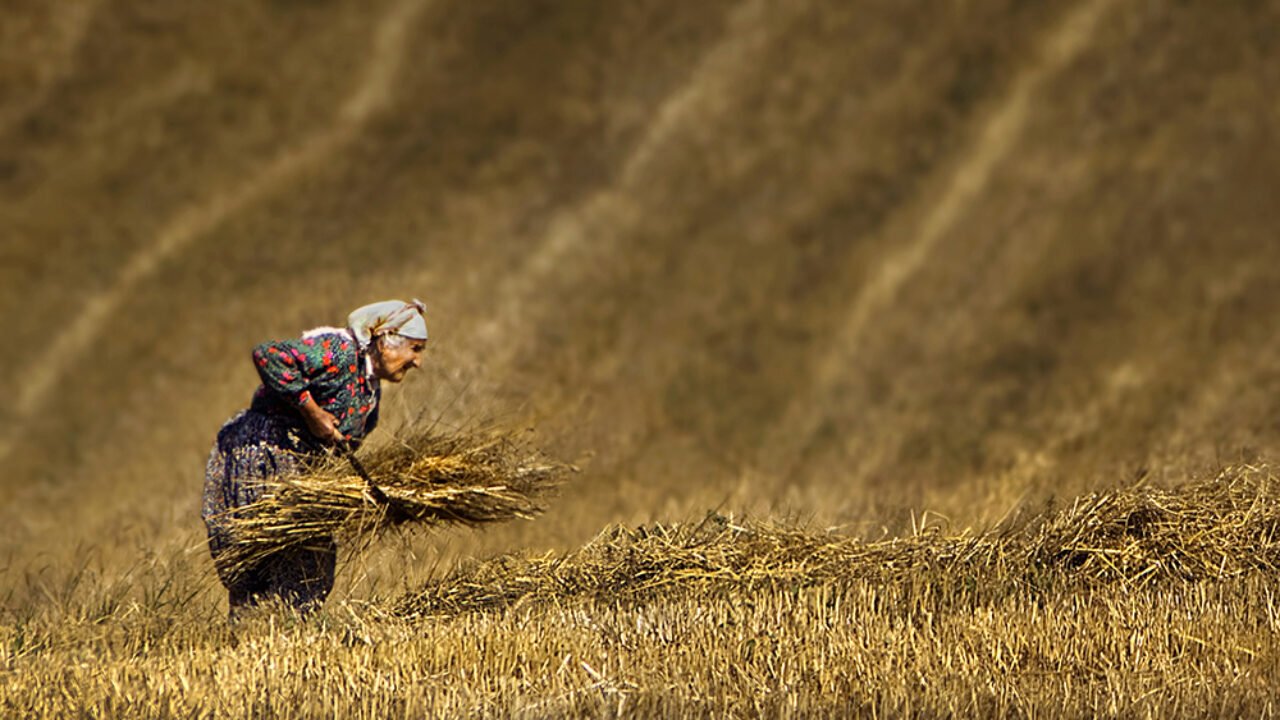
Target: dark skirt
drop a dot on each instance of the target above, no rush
(251, 448)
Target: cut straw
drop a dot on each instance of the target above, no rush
(1224, 527)
(431, 479)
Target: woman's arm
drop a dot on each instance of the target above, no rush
(320, 422)
(288, 368)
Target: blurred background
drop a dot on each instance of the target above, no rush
(841, 261)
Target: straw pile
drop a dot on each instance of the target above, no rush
(431, 479)
(1223, 527)
(1219, 528)
(688, 558)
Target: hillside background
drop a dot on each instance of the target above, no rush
(840, 261)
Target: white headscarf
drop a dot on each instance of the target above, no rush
(391, 316)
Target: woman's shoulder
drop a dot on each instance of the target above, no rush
(336, 342)
(326, 332)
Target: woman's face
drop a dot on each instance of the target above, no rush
(392, 360)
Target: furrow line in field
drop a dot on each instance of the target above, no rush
(614, 211)
(71, 27)
(972, 173)
(372, 93)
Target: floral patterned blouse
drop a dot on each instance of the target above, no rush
(326, 366)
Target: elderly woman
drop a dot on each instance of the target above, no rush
(318, 391)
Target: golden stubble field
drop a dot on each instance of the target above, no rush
(843, 309)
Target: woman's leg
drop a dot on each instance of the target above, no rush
(246, 591)
(250, 450)
(302, 577)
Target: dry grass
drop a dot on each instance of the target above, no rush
(427, 479)
(1221, 528)
(1141, 602)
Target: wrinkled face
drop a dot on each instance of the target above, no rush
(394, 357)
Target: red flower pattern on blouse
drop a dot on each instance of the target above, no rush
(324, 369)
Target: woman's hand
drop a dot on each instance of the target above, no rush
(321, 423)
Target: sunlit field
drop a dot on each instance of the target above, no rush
(892, 359)
(1135, 602)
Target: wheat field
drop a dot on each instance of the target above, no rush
(1136, 602)
(912, 359)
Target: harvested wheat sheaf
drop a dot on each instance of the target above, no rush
(428, 479)
(1223, 527)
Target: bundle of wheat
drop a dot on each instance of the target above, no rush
(466, 478)
(1212, 529)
